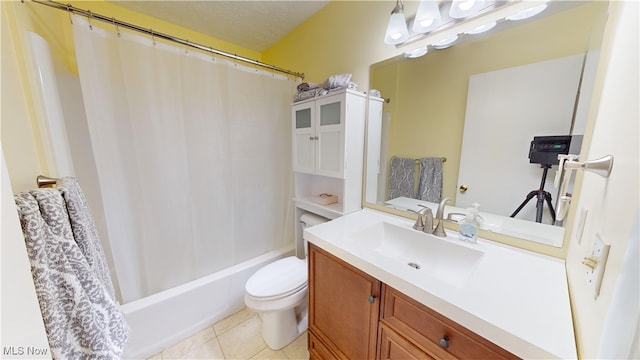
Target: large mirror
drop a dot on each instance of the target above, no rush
(478, 106)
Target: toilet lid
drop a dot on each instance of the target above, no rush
(279, 278)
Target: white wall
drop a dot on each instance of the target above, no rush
(611, 204)
(22, 325)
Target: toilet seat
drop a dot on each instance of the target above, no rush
(279, 279)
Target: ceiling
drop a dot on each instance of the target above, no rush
(255, 25)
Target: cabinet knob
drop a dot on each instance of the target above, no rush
(444, 342)
(372, 298)
(310, 137)
(463, 188)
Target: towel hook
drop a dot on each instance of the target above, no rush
(566, 166)
(601, 166)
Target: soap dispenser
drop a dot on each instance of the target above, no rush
(469, 226)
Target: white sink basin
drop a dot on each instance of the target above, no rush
(403, 248)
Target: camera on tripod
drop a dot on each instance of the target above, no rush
(544, 150)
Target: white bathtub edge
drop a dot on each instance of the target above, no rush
(166, 318)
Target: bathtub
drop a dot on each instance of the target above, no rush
(163, 319)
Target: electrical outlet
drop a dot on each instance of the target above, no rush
(582, 220)
(596, 264)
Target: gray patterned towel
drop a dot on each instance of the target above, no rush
(430, 182)
(84, 230)
(402, 178)
(81, 317)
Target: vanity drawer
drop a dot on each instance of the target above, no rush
(427, 329)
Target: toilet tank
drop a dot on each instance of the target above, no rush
(308, 219)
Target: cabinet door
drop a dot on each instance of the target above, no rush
(343, 306)
(304, 137)
(330, 130)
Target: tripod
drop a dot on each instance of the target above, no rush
(542, 196)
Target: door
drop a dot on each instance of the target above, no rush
(503, 102)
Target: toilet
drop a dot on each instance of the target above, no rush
(278, 293)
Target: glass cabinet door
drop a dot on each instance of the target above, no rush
(330, 147)
(304, 135)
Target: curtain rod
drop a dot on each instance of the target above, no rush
(153, 33)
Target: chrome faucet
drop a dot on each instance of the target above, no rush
(439, 230)
(424, 222)
(428, 219)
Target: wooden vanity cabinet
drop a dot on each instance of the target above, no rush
(429, 333)
(343, 309)
(354, 316)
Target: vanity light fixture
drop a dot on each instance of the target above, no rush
(417, 52)
(482, 28)
(525, 14)
(465, 8)
(445, 43)
(397, 31)
(427, 17)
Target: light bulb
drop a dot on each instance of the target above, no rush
(466, 5)
(426, 23)
(397, 31)
(465, 8)
(427, 17)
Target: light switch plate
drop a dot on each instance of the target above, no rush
(600, 253)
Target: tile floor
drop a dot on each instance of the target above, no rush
(237, 337)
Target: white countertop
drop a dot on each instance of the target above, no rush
(516, 299)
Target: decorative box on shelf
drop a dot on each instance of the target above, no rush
(324, 199)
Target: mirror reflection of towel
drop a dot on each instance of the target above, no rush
(430, 183)
(402, 177)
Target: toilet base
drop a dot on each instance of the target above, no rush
(279, 328)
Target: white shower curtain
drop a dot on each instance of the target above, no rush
(192, 154)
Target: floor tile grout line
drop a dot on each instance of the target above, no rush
(224, 356)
